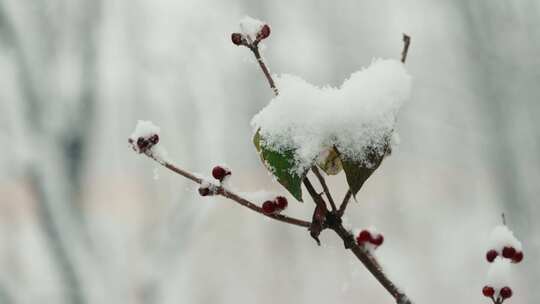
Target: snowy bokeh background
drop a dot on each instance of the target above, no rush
(85, 220)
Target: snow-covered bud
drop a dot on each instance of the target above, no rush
(203, 191)
(145, 136)
(207, 189)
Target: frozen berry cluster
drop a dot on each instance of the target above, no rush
(369, 238)
(504, 249)
(143, 144)
(275, 206)
(144, 137)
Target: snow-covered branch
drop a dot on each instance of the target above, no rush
(348, 129)
(145, 140)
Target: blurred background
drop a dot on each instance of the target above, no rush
(83, 219)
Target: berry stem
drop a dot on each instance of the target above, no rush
(325, 187)
(345, 202)
(219, 190)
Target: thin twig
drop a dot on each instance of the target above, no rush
(345, 202)
(503, 219)
(313, 193)
(325, 187)
(230, 195)
(406, 43)
(255, 50)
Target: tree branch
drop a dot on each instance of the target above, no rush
(371, 264)
(325, 187)
(334, 222)
(220, 190)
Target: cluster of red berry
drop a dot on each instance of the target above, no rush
(508, 252)
(276, 206)
(504, 293)
(143, 144)
(369, 237)
(219, 173)
(502, 254)
(240, 39)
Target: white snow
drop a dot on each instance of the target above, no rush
(250, 27)
(361, 113)
(144, 128)
(501, 237)
(498, 275)
(209, 185)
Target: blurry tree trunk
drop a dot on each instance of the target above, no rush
(55, 174)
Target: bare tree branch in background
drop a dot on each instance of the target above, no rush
(59, 212)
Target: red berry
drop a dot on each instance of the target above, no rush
(377, 240)
(505, 292)
(508, 252)
(264, 32)
(488, 291)
(154, 139)
(219, 173)
(204, 191)
(518, 257)
(491, 255)
(142, 144)
(269, 207)
(363, 237)
(281, 203)
(236, 38)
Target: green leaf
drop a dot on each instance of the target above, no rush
(330, 162)
(358, 172)
(281, 165)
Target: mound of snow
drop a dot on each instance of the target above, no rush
(355, 117)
